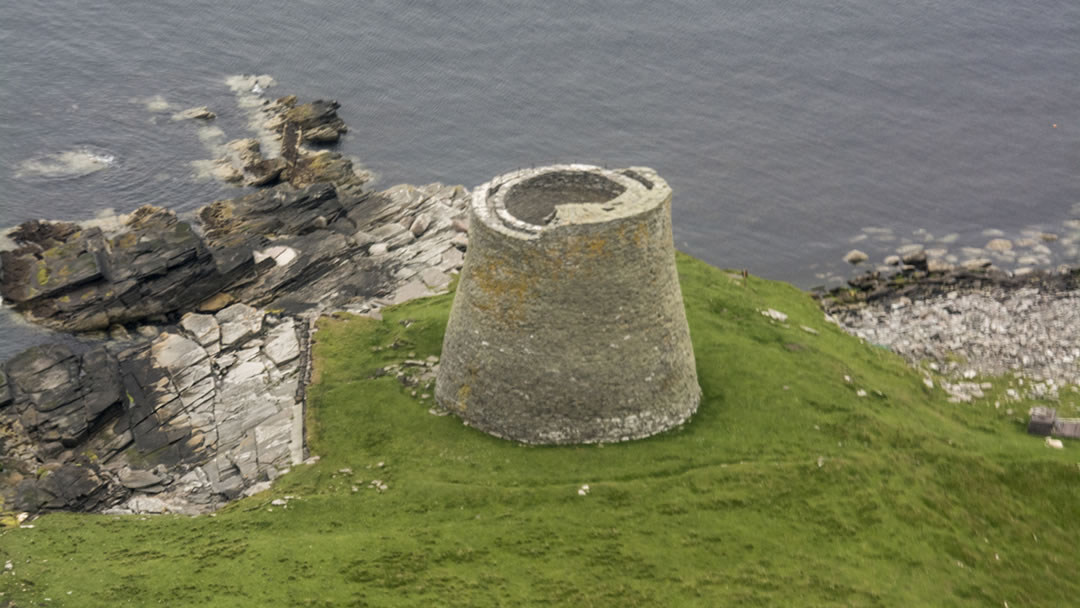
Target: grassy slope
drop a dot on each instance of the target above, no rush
(918, 502)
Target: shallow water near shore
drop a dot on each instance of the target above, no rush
(785, 132)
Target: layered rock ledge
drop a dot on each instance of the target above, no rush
(194, 392)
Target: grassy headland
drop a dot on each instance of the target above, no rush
(787, 488)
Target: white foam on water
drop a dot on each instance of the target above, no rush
(249, 90)
(6, 243)
(213, 138)
(69, 163)
(156, 103)
(205, 169)
(108, 220)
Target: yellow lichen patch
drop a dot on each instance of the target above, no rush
(9, 519)
(42, 274)
(128, 239)
(462, 398)
(223, 210)
(640, 235)
(507, 290)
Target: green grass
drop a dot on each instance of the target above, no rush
(917, 502)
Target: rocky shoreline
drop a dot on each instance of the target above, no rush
(970, 322)
(194, 394)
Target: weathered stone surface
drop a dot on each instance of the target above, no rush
(451, 259)
(411, 291)
(59, 395)
(317, 121)
(68, 487)
(238, 322)
(1042, 421)
(100, 382)
(281, 344)
(434, 278)
(420, 224)
(160, 403)
(204, 328)
(136, 479)
(176, 353)
(148, 504)
(215, 302)
(5, 391)
(916, 258)
(45, 375)
(33, 274)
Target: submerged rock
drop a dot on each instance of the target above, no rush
(855, 257)
(196, 113)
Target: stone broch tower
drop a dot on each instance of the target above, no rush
(568, 324)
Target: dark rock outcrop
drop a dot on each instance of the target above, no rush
(5, 390)
(915, 280)
(68, 487)
(59, 396)
(59, 400)
(153, 268)
(317, 122)
(283, 247)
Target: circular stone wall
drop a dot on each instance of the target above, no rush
(568, 324)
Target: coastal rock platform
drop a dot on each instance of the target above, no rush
(191, 391)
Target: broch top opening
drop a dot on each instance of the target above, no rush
(534, 200)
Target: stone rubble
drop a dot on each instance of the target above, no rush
(990, 331)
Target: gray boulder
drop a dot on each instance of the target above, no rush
(238, 322)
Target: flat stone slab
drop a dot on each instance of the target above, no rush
(238, 322)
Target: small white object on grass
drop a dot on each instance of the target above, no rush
(775, 315)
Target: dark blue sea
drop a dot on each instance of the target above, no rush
(791, 132)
